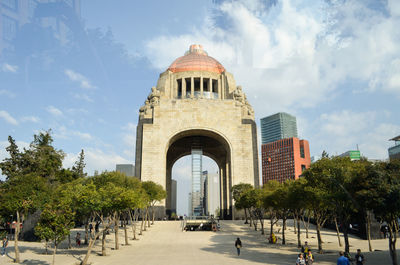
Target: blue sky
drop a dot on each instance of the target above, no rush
(335, 65)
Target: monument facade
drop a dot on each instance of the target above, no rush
(196, 103)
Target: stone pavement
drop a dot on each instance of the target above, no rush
(165, 243)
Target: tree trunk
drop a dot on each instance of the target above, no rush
(294, 224)
(90, 246)
(251, 218)
(262, 225)
(153, 213)
(392, 241)
(298, 232)
(142, 226)
(306, 224)
(133, 224)
(283, 230)
(54, 253)
(255, 221)
(103, 243)
(46, 246)
(86, 233)
(116, 229)
(69, 241)
(338, 233)
(346, 238)
(271, 230)
(148, 216)
(16, 235)
(368, 227)
(245, 216)
(126, 234)
(320, 251)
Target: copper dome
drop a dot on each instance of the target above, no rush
(196, 59)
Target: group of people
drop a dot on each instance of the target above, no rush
(305, 257)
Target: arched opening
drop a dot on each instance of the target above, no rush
(182, 175)
(214, 146)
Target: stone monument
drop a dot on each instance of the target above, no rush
(196, 103)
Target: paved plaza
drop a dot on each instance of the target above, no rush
(165, 243)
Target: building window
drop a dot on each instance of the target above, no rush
(303, 167)
(188, 82)
(10, 4)
(302, 151)
(197, 87)
(9, 28)
(179, 85)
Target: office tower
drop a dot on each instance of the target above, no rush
(278, 126)
(284, 159)
(394, 151)
(127, 169)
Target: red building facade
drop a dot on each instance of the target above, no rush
(285, 159)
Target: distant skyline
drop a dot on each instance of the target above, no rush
(335, 65)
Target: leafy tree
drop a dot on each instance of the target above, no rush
(271, 201)
(388, 208)
(55, 223)
(237, 192)
(20, 196)
(283, 206)
(155, 192)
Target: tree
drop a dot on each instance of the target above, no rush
(20, 196)
(271, 201)
(155, 192)
(55, 223)
(237, 192)
(388, 208)
(283, 206)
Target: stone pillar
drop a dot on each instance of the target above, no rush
(219, 88)
(191, 87)
(201, 86)
(210, 86)
(183, 88)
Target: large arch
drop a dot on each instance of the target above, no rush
(215, 146)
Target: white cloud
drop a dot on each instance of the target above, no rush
(83, 97)
(340, 131)
(83, 81)
(129, 139)
(8, 118)
(83, 136)
(295, 51)
(9, 68)
(30, 119)
(7, 93)
(54, 111)
(96, 159)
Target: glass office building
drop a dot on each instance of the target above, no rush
(197, 208)
(278, 126)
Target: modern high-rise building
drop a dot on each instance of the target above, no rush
(394, 151)
(197, 183)
(211, 192)
(278, 126)
(285, 159)
(173, 195)
(127, 169)
(58, 16)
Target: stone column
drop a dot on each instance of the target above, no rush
(210, 87)
(192, 87)
(219, 88)
(201, 86)
(183, 88)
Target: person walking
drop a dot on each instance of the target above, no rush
(78, 239)
(300, 260)
(4, 246)
(238, 245)
(342, 260)
(359, 258)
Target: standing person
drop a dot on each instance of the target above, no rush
(238, 245)
(300, 260)
(309, 258)
(305, 249)
(78, 239)
(342, 260)
(359, 258)
(4, 246)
